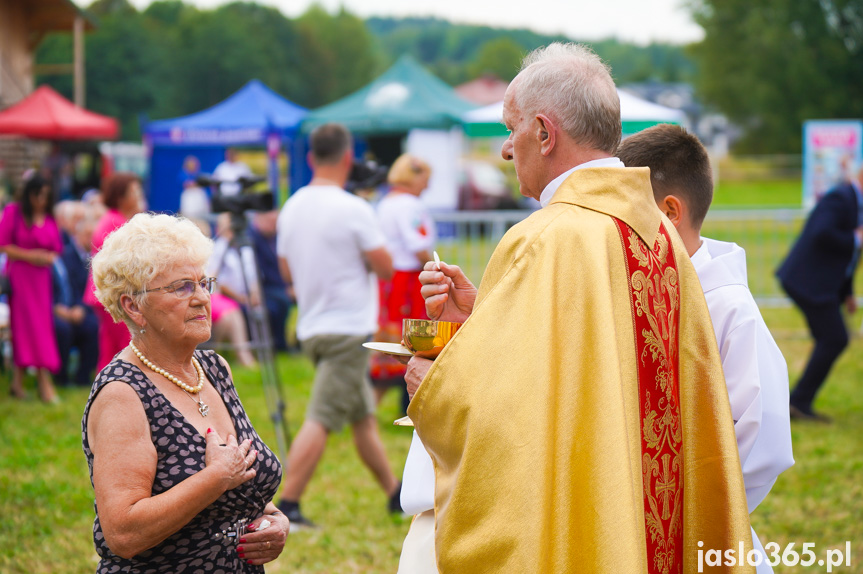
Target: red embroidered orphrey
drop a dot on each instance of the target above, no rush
(653, 282)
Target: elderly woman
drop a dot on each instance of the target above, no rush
(410, 234)
(182, 480)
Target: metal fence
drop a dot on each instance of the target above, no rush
(751, 168)
(467, 239)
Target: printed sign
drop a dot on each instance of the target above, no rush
(832, 152)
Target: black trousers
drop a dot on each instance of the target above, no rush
(831, 337)
(84, 337)
(278, 308)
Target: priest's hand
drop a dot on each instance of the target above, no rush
(448, 293)
(417, 369)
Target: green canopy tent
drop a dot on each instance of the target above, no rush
(406, 109)
(403, 98)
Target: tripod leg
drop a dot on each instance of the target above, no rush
(262, 344)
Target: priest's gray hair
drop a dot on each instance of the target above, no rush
(143, 248)
(572, 86)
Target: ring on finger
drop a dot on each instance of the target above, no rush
(268, 544)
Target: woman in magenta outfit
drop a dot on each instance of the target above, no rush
(31, 240)
(123, 197)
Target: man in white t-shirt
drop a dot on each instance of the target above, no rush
(229, 172)
(329, 243)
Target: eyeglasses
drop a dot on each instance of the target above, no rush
(185, 288)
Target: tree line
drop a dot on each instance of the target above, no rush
(770, 65)
(172, 58)
(767, 64)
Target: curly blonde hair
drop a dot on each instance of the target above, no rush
(146, 246)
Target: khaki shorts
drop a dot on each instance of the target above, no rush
(342, 391)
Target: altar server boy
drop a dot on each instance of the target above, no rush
(754, 368)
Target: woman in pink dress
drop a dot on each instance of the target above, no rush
(31, 240)
(123, 197)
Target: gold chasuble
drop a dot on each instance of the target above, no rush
(579, 420)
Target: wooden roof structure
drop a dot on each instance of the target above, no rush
(44, 16)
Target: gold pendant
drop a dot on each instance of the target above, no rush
(203, 408)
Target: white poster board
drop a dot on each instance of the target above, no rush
(832, 149)
(442, 150)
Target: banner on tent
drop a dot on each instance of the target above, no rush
(205, 136)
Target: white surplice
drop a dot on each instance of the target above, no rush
(754, 368)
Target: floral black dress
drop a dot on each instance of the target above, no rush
(208, 543)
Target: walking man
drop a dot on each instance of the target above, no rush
(328, 242)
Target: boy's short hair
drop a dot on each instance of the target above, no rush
(679, 166)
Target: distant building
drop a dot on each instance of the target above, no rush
(483, 90)
(712, 128)
(23, 24)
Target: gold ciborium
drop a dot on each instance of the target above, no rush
(427, 338)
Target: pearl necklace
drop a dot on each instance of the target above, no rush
(202, 378)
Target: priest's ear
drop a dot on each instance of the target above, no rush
(545, 133)
(674, 208)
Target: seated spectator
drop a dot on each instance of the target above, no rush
(67, 214)
(75, 323)
(226, 267)
(277, 296)
(228, 318)
(194, 203)
(92, 202)
(229, 324)
(194, 200)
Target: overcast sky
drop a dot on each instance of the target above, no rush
(640, 21)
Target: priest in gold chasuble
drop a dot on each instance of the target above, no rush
(579, 421)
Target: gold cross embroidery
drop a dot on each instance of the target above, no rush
(665, 486)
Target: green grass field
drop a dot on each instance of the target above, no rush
(760, 194)
(46, 501)
(766, 238)
(46, 505)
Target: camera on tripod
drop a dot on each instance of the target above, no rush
(366, 175)
(243, 201)
(241, 245)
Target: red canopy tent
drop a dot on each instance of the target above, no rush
(47, 115)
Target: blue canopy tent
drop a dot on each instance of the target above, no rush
(253, 116)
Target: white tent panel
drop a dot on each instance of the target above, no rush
(441, 149)
(632, 109)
